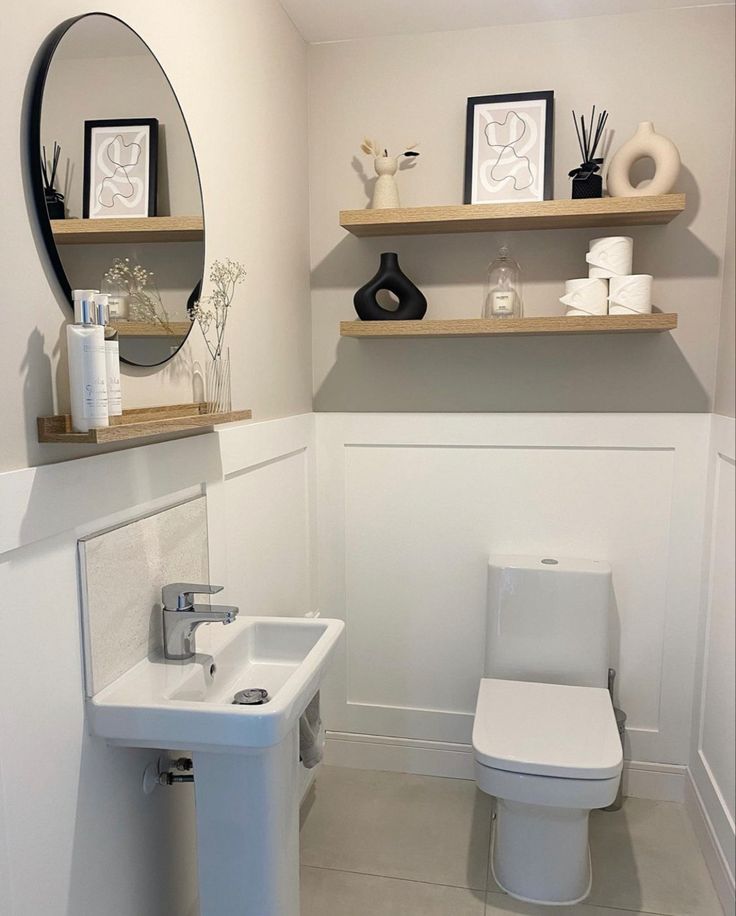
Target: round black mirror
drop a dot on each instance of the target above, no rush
(115, 182)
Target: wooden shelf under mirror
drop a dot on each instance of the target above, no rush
(592, 213)
(116, 231)
(139, 423)
(151, 329)
(518, 327)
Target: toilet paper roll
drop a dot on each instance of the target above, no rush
(586, 296)
(611, 256)
(630, 295)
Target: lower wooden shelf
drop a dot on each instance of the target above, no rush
(150, 329)
(139, 423)
(500, 327)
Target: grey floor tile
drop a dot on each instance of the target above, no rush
(339, 893)
(502, 905)
(397, 825)
(646, 857)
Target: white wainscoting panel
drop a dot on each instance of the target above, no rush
(262, 518)
(713, 761)
(412, 505)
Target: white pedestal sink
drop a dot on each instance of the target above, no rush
(246, 758)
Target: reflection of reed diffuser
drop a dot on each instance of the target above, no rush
(585, 181)
(54, 198)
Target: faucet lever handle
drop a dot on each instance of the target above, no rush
(179, 596)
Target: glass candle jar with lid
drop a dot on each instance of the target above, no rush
(503, 288)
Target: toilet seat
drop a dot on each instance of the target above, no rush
(546, 730)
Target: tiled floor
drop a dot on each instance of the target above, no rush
(391, 844)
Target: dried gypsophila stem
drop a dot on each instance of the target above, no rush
(212, 310)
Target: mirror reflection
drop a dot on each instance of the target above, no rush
(121, 186)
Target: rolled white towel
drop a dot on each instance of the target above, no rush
(630, 295)
(311, 734)
(611, 256)
(586, 296)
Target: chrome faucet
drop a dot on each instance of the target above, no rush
(182, 616)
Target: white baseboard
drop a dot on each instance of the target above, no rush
(399, 755)
(656, 781)
(717, 862)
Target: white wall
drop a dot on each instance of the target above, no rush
(239, 71)
(75, 826)
(725, 400)
(407, 88)
(712, 761)
(411, 506)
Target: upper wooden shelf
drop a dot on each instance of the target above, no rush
(518, 327)
(110, 231)
(545, 214)
(138, 423)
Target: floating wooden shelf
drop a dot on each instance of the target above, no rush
(149, 329)
(140, 423)
(500, 327)
(544, 214)
(144, 229)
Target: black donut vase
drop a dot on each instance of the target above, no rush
(412, 303)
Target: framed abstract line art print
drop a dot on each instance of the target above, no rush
(120, 159)
(508, 148)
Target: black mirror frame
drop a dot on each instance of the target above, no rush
(42, 64)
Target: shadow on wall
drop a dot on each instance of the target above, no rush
(643, 373)
(630, 373)
(112, 817)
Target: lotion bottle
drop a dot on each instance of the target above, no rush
(112, 356)
(87, 370)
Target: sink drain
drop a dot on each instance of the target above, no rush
(253, 696)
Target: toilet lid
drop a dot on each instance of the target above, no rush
(546, 730)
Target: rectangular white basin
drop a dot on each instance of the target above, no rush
(188, 705)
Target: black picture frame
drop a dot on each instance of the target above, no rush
(546, 96)
(152, 165)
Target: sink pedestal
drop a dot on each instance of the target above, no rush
(248, 831)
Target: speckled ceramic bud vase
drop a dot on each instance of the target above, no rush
(412, 304)
(386, 191)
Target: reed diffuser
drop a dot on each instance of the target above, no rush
(54, 198)
(585, 180)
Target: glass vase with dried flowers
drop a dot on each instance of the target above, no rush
(134, 295)
(211, 314)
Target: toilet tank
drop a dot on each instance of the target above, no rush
(548, 620)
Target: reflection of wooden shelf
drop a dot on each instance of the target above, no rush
(144, 329)
(110, 231)
(543, 214)
(501, 327)
(140, 423)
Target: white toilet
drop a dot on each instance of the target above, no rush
(545, 739)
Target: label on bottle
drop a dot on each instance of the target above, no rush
(95, 382)
(502, 302)
(114, 391)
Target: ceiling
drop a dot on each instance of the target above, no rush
(328, 20)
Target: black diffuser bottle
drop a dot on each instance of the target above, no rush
(412, 304)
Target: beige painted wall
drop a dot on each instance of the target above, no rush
(725, 400)
(674, 67)
(239, 70)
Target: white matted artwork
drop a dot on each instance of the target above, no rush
(120, 168)
(508, 148)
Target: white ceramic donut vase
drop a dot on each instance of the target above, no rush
(645, 142)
